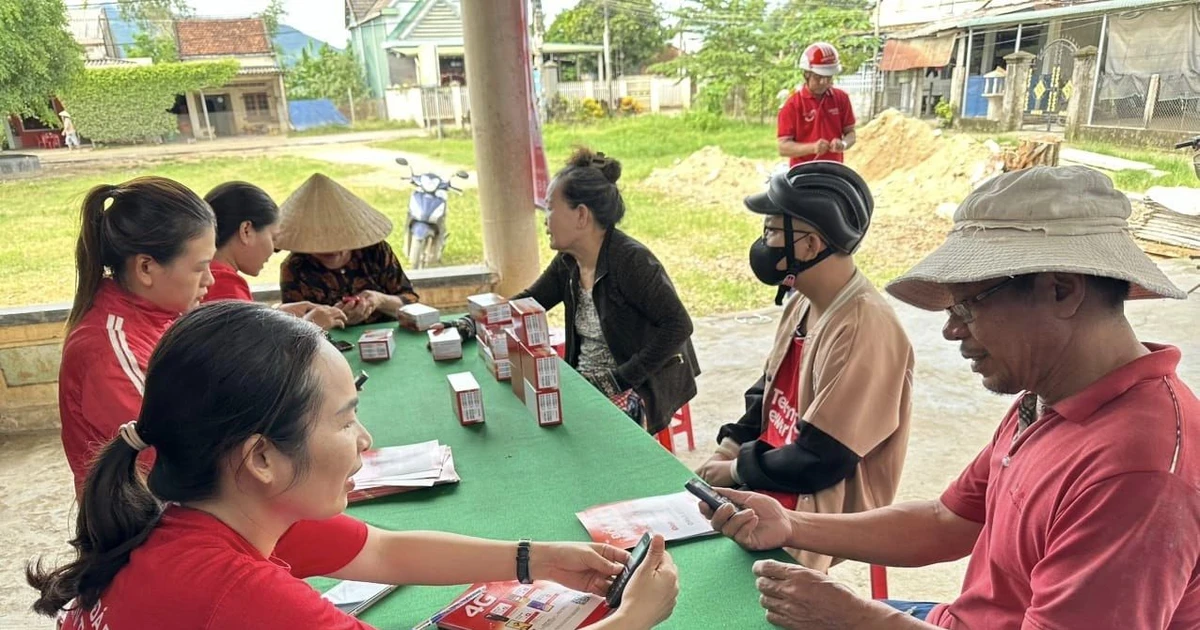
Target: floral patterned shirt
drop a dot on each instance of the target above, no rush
(373, 268)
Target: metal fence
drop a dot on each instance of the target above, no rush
(1138, 103)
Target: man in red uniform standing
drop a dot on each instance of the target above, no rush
(817, 122)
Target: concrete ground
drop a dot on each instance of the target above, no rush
(953, 417)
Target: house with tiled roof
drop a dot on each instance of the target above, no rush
(254, 101)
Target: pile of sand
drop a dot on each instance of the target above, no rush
(711, 177)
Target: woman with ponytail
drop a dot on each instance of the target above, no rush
(141, 260)
(252, 416)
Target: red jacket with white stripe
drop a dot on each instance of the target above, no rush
(103, 372)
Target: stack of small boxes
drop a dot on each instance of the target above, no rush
(534, 363)
(492, 317)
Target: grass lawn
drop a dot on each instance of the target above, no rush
(1176, 164)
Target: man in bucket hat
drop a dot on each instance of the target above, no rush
(1083, 511)
(826, 427)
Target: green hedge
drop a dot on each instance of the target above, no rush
(129, 104)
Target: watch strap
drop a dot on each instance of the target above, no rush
(523, 561)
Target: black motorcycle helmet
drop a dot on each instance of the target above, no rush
(827, 195)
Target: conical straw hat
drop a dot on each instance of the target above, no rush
(322, 217)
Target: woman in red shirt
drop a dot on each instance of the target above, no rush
(247, 226)
(252, 416)
(140, 263)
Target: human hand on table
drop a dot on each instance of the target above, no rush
(755, 521)
(579, 566)
(650, 595)
(327, 317)
(718, 470)
(799, 599)
(356, 309)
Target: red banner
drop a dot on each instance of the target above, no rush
(537, 151)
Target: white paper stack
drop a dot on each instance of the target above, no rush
(396, 469)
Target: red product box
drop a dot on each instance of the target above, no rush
(515, 350)
(492, 336)
(468, 399)
(539, 366)
(529, 322)
(489, 309)
(500, 368)
(376, 345)
(544, 404)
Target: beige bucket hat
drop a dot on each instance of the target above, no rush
(322, 217)
(1066, 219)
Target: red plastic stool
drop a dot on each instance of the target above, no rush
(681, 422)
(879, 589)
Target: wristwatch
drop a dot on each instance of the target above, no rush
(523, 562)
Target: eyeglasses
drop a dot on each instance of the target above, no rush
(796, 234)
(962, 310)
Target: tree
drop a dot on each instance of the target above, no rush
(38, 57)
(751, 52)
(271, 16)
(160, 48)
(327, 74)
(636, 31)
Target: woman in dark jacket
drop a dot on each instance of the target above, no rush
(628, 333)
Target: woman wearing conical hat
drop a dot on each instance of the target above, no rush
(339, 255)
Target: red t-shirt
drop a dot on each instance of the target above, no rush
(228, 284)
(782, 414)
(103, 372)
(195, 573)
(1091, 518)
(808, 118)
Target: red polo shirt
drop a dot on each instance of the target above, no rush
(808, 118)
(228, 284)
(1091, 518)
(195, 573)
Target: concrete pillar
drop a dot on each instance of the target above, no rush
(1151, 100)
(285, 124)
(1082, 78)
(496, 60)
(655, 97)
(918, 92)
(989, 52)
(958, 76)
(429, 71)
(208, 130)
(456, 102)
(1016, 90)
(686, 87)
(193, 118)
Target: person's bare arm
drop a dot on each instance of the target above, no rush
(910, 534)
(789, 148)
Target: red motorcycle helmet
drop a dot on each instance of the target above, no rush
(821, 58)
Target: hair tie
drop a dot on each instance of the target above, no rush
(128, 432)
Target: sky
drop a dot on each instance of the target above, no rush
(325, 19)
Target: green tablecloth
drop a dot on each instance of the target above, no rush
(522, 480)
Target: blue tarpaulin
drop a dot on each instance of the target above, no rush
(317, 113)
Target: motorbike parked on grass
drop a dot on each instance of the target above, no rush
(425, 227)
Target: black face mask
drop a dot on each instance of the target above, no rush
(764, 262)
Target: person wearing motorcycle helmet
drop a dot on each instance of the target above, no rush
(817, 122)
(826, 427)
(247, 226)
(339, 254)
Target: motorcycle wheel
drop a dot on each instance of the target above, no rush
(416, 252)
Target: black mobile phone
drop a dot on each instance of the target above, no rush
(636, 557)
(705, 493)
(343, 346)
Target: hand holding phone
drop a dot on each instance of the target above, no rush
(705, 493)
(636, 557)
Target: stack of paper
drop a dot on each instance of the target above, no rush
(396, 469)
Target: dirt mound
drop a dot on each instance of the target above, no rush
(711, 177)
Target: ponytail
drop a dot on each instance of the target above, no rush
(153, 216)
(89, 252)
(116, 514)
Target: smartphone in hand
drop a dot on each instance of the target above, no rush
(636, 557)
